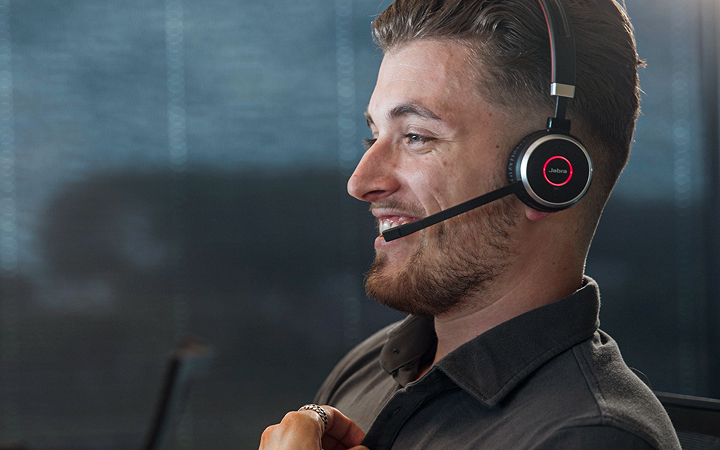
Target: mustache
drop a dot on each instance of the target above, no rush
(400, 206)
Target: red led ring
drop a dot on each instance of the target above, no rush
(569, 175)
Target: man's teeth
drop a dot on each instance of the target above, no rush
(386, 224)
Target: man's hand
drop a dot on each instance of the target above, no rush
(303, 430)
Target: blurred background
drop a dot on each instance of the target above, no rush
(177, 168)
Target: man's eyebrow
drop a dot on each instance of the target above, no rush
(407, 109)
(412, 109)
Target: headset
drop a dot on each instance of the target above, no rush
(549, 170)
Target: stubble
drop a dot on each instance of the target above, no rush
(457, 259)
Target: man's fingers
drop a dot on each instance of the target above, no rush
(298, 430)
(341, 432)
(306, 430)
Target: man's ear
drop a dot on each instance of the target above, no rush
(534, 214)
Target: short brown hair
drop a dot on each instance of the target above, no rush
(509, 40)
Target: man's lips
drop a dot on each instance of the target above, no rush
(392, 214)
(386, 223)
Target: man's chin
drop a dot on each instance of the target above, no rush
(405, 291)
(454, 265)
(382, 287)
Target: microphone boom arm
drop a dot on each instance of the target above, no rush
(412, 227)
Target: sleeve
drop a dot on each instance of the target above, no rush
(596, 437)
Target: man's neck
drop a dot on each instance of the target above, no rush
(547, 268)
(495, 306)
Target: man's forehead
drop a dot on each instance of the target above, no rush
(424, 79)
(432, 58)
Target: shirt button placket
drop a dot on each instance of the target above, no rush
(398, 410)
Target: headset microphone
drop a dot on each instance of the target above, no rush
(409, 228)
(549, 170)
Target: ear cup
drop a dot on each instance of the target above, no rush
(555, 169)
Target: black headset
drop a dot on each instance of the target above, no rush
(549, 170)
(554, 167)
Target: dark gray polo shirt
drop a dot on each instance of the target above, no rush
(548, 379)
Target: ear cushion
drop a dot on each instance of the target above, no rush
(555, 169)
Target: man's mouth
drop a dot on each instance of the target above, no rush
(385, 224)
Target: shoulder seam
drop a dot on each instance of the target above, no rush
(592, 383)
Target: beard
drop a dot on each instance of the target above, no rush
(470, 252)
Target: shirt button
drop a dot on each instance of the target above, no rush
(395, 411)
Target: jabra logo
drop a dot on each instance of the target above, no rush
(553, 170)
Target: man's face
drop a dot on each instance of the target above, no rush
(435, 144)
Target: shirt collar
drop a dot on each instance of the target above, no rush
(492, 364)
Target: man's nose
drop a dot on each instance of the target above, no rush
(374, 177)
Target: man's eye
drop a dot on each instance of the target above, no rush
(368, 142)
(417, 138)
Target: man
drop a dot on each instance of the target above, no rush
(501, 348)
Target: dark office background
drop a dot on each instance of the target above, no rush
(177, 168)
